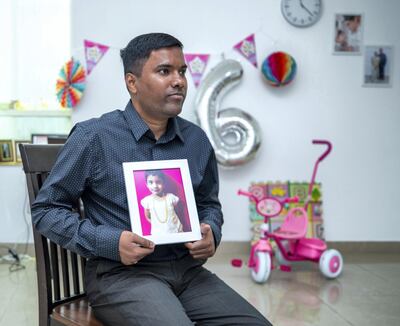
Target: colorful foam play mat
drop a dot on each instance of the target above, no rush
(282, 190)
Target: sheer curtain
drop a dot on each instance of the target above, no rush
(34, 43)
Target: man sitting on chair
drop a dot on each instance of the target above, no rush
(129, 280)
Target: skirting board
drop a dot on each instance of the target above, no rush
(346, 247)
(20, 248)
(243, 247)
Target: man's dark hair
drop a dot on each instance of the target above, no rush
(138, 50)
(350, 17)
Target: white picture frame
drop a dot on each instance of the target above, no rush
(348, 33)
(163, 216)
(378, 71)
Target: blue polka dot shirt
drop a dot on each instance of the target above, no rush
(90, 167)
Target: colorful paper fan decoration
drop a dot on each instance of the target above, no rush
(70, 84)
(279, 68)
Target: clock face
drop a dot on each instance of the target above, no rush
(301, 13)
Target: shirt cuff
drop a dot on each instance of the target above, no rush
(216, 232)
(107, 242)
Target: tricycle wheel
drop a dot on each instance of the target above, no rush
(260, 272)
(331, 263)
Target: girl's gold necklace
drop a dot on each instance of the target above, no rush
(164, 199)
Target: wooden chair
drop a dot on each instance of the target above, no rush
(60, 273)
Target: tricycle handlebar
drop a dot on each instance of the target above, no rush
(246, 193)
(294, 199)
(327, 151)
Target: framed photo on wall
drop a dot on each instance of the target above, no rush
(348, 35)
(6, 151)
(161, 201)
(378, 66)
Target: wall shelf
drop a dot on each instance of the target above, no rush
(36, 113)
(20, 125)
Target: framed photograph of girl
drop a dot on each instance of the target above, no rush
(348, 34)
(378, 66)
(161, 201)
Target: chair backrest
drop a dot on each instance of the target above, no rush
(60, 272)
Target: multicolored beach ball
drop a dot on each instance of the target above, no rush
(279, 68)
(70, 83)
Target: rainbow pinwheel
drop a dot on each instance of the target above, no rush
(70, 84)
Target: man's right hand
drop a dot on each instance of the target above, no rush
(133, 247)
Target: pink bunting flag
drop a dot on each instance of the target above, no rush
(197, 64)
(247, 48)
(93, 53)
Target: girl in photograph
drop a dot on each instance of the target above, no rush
(159, 207)
(340, 41)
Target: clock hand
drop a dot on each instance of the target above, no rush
(305, 8)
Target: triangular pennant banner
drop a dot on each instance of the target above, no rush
(197, 64)
(247, 48)
(93, 53)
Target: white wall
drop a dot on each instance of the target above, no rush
(14, 206)
(360, 178)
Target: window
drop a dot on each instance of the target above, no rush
(35, 42)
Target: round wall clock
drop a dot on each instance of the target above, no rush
(301, 13)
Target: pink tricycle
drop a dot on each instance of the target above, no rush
(290, 237)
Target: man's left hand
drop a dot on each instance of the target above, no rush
(204, 248)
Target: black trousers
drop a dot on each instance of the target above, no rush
(381, 72)
(174, 293)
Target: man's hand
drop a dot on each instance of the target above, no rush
(204, 248)
(133, 248)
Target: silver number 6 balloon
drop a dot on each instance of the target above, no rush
(233, 133)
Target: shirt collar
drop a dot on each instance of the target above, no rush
(177, 130)
(139, 127)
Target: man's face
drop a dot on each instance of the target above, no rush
(160, 91)
(353, 25)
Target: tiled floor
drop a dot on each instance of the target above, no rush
(367, 293)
